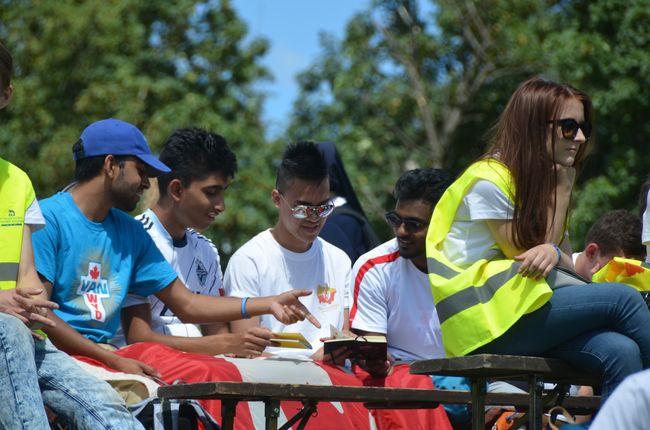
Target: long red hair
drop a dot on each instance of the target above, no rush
(519, 140)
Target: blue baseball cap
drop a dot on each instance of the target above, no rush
(112, 136)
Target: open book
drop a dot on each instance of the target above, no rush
(291, 340)
(355, 348)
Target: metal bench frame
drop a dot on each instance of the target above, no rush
(231, 393)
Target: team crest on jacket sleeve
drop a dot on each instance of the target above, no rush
(93, 288)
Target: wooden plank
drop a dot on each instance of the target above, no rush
(373, 397)
(253, 391)
(504, 367)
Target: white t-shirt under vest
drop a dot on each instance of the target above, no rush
(392, 296)
(34, 216)
(469, 238)
(262, 267)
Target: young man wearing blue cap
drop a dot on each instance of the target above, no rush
(32, 370)
(92, 253)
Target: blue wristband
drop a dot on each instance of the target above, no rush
(557, 249)
(244, 314)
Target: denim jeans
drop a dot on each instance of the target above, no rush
(601, 328)
(35, 372)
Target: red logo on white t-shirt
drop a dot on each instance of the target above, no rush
(325, 294)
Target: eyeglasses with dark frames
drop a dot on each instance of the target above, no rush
(570, 127)
(410, 225)
(308, 211)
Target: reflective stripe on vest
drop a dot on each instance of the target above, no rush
(473, 295)
(434, 266)
(626, 271)
(8, 271)
(479, 303)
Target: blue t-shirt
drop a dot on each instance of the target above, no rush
(93, 265)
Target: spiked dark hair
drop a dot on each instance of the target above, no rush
(301, 160)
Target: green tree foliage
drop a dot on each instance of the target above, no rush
(407, 88)
(411, 87)
(159, 65)
(602, 48)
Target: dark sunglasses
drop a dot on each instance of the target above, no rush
(570, 127)
(410, 225)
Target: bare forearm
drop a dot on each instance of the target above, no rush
(31, 279)
(243, 325)
(216, 328)
(557, 229)
(202, 309)
(194, 308)
(567, 259)
(71, 341)
(212, 345)
(27, 275)
(565, 178)
(220, 309)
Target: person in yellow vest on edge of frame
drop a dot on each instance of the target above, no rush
(32, 370)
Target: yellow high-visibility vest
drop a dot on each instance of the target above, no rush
(634, 273)
(16, 195)
(477, 304)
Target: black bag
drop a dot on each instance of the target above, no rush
(172, 414)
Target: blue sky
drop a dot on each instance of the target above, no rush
(292, 28)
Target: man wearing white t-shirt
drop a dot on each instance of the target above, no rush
(191, 196)
(290, 255)
(391, 293)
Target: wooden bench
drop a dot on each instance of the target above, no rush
(230, 393)
(483, 367)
